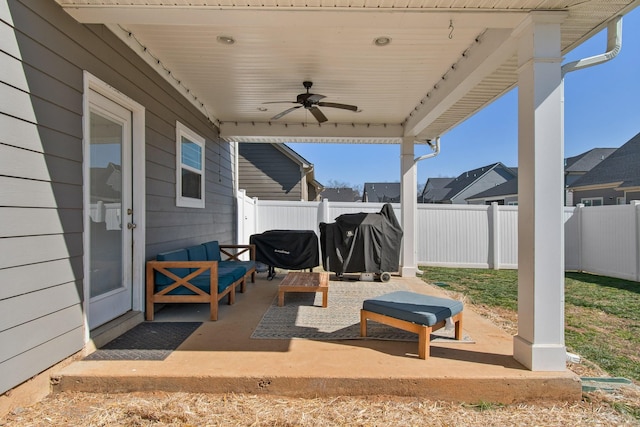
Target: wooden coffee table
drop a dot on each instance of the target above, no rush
(298, 281)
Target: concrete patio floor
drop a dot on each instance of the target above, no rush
(220, 357)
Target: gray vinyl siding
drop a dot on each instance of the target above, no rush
(43, 53)
(268, 174)
(632, 195)
(492, 178)
(609, 195)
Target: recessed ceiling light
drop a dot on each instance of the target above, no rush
(226, 40)
(262, 109)
(382, 41)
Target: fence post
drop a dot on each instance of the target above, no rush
(578, 213)
(240, 226)
(323, 211)
(635, 205)
(494, 236)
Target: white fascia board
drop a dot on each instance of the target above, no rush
(291, 18)
(325, 133)
(494, 47)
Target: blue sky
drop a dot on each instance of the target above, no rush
(602, 109)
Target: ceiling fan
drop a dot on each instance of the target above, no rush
(311, 102)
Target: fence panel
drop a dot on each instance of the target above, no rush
(603, 239)
(287, 215)
(508, 237)
(571, 239)
(607, 244)
(453, 235)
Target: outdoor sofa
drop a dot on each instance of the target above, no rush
(198, 274)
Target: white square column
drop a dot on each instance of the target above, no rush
(539, 344)
(409, 201)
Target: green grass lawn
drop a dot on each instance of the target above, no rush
(602, 314)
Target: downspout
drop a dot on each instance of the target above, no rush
(435, 148)
(614, 44)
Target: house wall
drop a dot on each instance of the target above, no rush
(43, 53)
(492, 178)
(267, 173)
(632, 195)
(609, 195)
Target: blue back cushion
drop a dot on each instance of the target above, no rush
(178, 255)
(213, 250)
(197, 253)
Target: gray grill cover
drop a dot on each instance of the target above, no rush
(362, 242)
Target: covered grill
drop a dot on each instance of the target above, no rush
(362, 243)
(289, 249)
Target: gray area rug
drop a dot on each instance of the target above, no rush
(146, 341)
(302, 316)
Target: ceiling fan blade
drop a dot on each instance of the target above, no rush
(280, 102)
(321, 118)
(287, 111)
(315, 97)
(336, 105)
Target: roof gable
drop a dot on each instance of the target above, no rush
(387, 192)
(588, 160)
(621, 166)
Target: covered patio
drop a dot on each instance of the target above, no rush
(220, 357)
(412, 70)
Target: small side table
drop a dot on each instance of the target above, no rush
(298, 281)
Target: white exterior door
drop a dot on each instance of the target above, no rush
(110, 210)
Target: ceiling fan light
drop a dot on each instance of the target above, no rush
(226, 40)
(382, 41)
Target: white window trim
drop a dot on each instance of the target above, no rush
(181, 201)
(584, 199)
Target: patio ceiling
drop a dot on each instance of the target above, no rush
(447, 59)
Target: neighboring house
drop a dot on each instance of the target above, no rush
(275, 172)
(575, 167)
(381, 192)
(470, 183)
(435, 189)
(615, 180)
(502, 194)
(341, 194)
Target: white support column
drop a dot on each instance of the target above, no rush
(408, 200)
(539, 344)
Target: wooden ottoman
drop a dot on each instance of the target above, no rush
(412, 312)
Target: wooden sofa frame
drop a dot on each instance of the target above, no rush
(199, 296)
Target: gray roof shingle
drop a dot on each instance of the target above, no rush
(623, 165)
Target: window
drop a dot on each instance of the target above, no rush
(189, 168)
(593, 201)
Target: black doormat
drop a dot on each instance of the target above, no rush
(146, 341)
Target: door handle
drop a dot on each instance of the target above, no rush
(131, 226)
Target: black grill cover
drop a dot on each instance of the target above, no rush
(290, 249)
(362, 242)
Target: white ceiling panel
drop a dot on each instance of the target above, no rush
(447, 59)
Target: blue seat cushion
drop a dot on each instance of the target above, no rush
(413, 307)
(236, 272)
(213, 250)
(177, 255)
(202, 283)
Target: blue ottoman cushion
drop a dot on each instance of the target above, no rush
(413, 307)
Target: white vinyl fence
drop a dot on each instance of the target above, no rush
(602, 239)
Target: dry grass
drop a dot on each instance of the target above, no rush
(182, 409)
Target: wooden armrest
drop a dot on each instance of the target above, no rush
(234, 255)
(164, 266)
